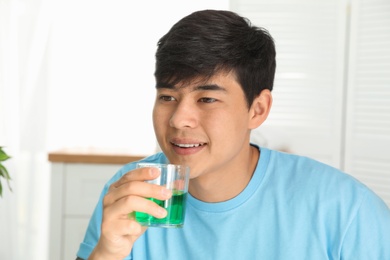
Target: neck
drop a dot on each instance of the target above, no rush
(229, 181)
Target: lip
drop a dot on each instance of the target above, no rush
(187, 147)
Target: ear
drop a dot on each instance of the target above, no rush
(260, 109)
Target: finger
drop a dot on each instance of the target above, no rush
(130, 204)
(137, 188)
(118, 236)
(141, 174)
(121, 227)
(135, 228)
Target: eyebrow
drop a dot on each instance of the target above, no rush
(209, 87)
(213, 87)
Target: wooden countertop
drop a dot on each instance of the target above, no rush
(93, 155)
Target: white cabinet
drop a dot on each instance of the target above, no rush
(74, 230)
(76, 183)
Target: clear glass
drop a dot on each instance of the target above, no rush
(175, 178)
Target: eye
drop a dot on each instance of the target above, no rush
(166, 98)
(207, 100)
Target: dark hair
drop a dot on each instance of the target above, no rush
(211, 41)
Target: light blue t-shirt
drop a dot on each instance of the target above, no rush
(293, 208)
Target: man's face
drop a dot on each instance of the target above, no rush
(203, 124)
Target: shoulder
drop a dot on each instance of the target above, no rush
(319, 181)
(345, 201)
(307, 168)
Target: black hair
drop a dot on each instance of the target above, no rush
(211, 41)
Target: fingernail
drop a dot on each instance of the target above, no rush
(161, 212)
(153, 172)
(166, 192)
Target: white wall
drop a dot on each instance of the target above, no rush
(101, 70)
(72, 73)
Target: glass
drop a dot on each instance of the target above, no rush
(175, 178)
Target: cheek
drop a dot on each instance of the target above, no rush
(228, 125)
(161, 119)
(218, 124)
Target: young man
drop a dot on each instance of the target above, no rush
(214, 76)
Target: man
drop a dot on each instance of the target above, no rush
(214, 76)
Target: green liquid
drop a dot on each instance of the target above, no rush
(175, 207)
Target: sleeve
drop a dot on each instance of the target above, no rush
(368, 234)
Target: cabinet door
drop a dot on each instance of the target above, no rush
(84, 183)
(83, 186)
(74, 230)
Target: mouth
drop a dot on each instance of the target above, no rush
(187, 148)
(194, 145)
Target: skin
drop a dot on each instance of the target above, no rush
(205, 125)
(213, 116)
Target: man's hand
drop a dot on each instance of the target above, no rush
(119, 229)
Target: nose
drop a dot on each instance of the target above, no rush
(184, 116)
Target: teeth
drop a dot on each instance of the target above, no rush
(188, 145)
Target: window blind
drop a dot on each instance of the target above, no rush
(367, 153)
(307, 112)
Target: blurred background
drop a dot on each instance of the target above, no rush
(79, 74)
